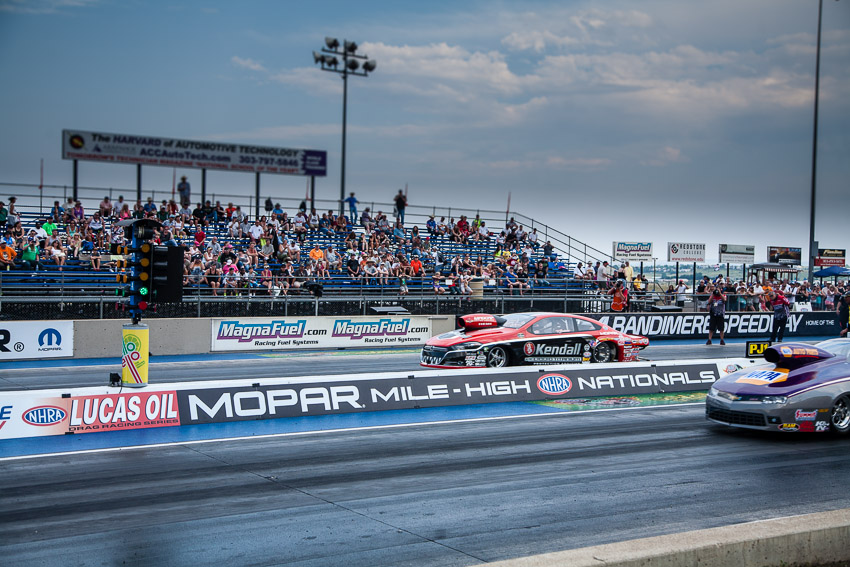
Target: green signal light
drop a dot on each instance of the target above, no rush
(143, 291)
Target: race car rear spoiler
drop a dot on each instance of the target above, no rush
(477, 321)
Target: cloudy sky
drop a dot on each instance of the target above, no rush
(658, 120)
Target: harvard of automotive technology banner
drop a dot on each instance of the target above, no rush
(198, 154)
(258, 334)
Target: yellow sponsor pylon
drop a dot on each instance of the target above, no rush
(134, 358)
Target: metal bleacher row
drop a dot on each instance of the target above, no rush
(78, 278)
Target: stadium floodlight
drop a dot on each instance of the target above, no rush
(351, 65)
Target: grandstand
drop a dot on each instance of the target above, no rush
(80, 280)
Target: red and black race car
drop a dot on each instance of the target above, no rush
(483, 340)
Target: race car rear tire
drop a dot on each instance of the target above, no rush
(497, 357)
(603, 353)
(839, 420)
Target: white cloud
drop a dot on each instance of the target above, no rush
(40, 7)
(666, 156)
(247, 64)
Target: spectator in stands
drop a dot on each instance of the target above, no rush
(12, 213)
(681, 293)
(185, 191)
(29, 256)
(512, 281)
(352, 267)
(195, 275)
(293, 250)
(398, 233)
(400, 201)
(541, 272)
(150, 206)
(435, 283)
(382, 224)
(4, 215)
(603, 275)
(105, 207)
(57, 213)
(549, 251)
(7, 255)
(366, 221)
(352, 207)
(442, 227)
(341, 224)
(95, 258)
(125, 213)
(431, 226)
(139, 210)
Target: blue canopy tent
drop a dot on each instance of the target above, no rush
(832, 271)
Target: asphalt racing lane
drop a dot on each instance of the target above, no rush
(445, 494)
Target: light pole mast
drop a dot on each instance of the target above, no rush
(350, 66)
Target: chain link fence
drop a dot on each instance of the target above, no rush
(24, 309)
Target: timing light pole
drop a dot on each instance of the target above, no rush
(350, 66)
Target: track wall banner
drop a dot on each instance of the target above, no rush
(99, 409)
(695, 325)
(85, 410)
(262, 334)
(20, 340)
(437, 389)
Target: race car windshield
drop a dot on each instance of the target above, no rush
(838, 347)
(516, 320)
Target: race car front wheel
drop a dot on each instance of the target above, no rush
(602, 353)
(840, 420)
(497, 357)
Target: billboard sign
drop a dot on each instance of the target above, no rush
(632, 251)
(785, 255)
(831, 257)
(259, 334)
(196, 154)
(737, 254)
(20, 340)
(685, 252)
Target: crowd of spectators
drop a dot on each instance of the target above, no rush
(229, 253)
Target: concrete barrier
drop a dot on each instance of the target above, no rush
(100, 338)
(805, 540)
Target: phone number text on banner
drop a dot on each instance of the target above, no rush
(258, 334)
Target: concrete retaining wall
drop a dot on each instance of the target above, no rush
(806, 540)
(100, 338)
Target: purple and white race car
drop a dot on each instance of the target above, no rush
(801, 388)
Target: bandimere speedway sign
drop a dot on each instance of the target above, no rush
(259, 334)
(197, 154)
(695, 325)
(89, 410)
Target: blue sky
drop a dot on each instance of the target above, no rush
(657, 120)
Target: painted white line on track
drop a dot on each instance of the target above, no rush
(340, 430)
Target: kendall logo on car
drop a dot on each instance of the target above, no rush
(43, 416)
(528, 348)
(554, 384)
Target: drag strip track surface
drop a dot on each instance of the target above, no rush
(66, 375)
(440, 494)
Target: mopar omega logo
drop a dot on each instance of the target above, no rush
(554, 384)
(44, 415)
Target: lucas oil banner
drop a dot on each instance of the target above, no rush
(258, 334)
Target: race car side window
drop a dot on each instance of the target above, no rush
(586, 326)
(550, 326)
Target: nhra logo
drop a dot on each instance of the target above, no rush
(554, 384)
(44, 415)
